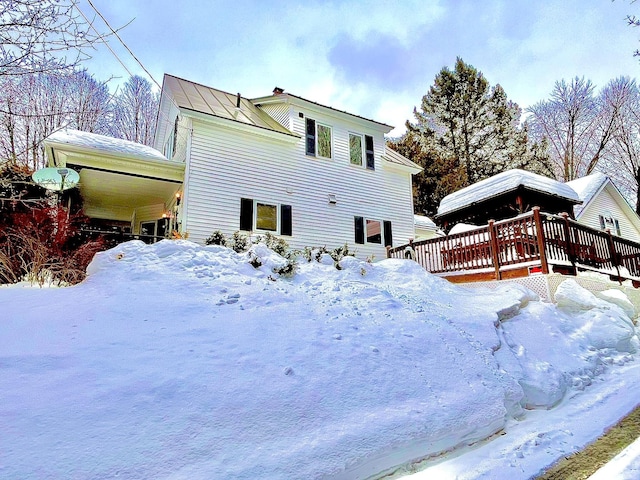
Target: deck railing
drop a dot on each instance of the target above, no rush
(535, 241)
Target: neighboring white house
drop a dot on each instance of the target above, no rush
(604, 207)
(311, 174)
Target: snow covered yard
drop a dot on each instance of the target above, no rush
(180, 361)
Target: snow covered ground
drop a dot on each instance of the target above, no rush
(181, 361)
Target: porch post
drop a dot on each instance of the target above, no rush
(493, 244)
(613, 254)
(537, 220)
(569, 242)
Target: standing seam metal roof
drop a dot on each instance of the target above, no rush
(210, 101)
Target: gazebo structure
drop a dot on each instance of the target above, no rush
(503, 196)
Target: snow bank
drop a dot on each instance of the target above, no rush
(181, 361)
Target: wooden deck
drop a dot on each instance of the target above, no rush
(528, 244)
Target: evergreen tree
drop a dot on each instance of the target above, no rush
(465, 132)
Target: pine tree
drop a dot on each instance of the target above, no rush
(465, 132)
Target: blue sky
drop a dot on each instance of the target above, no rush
(372, 58)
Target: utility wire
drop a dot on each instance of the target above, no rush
(123, 44)
(135, 58)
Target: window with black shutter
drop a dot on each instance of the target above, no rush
(368, 146)
(311, 137)
(246, 214)
(359, 229)
(388, 236)
(286, 225)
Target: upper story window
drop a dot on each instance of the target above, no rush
(170, 145)
(361, 148)
(318, 139)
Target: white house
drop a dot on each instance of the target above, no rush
(604, 207)
(311, 174)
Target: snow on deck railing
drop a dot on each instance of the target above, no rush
(531, 242)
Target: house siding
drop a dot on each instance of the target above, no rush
(226, 165)
(601, 204)
(280, 112)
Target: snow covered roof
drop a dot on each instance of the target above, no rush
(502, 183)
(422, 221)
(390, 155)
(586, 188)
(210, 101)
(102, 143)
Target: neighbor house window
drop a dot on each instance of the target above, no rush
(263, 216)
(318, 139)
(372, 231)
(609, 222)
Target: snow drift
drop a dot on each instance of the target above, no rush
(180, 361)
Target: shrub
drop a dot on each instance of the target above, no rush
(239, 242)
(278, 245)
(216, 238)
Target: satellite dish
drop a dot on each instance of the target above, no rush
(57, 179)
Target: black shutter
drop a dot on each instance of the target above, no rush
(368, 146)
(246, 214)
(286, 227)
(311, 137)
(359, 229)
(615, 221)
(388, 236)
(602, 224)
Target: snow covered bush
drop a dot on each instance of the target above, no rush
(239, 242)
(216, 238)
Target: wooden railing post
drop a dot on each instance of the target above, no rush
(613, 254)
(388, 251)
(537, 220)
(569, 243)
(493, 244)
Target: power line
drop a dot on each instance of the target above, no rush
(123, 43)
(114, 32)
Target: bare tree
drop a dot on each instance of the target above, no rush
(43, 36)
(135, 110)
(34, 106)
(577, 124)
(621, 161)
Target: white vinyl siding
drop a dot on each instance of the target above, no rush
(280, 112)
(227, 165)
(604, 204)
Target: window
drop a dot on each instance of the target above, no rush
(324, 141)
(355, 149)
(607, 221)
(266, 217)
(373, 231)
(318, 139)
(356, 152)
(368, 143)
(262, 216)
(170, 146)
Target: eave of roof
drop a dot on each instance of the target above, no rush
(501, 184)
(396, 158)
(290, 98)
(76, 140)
